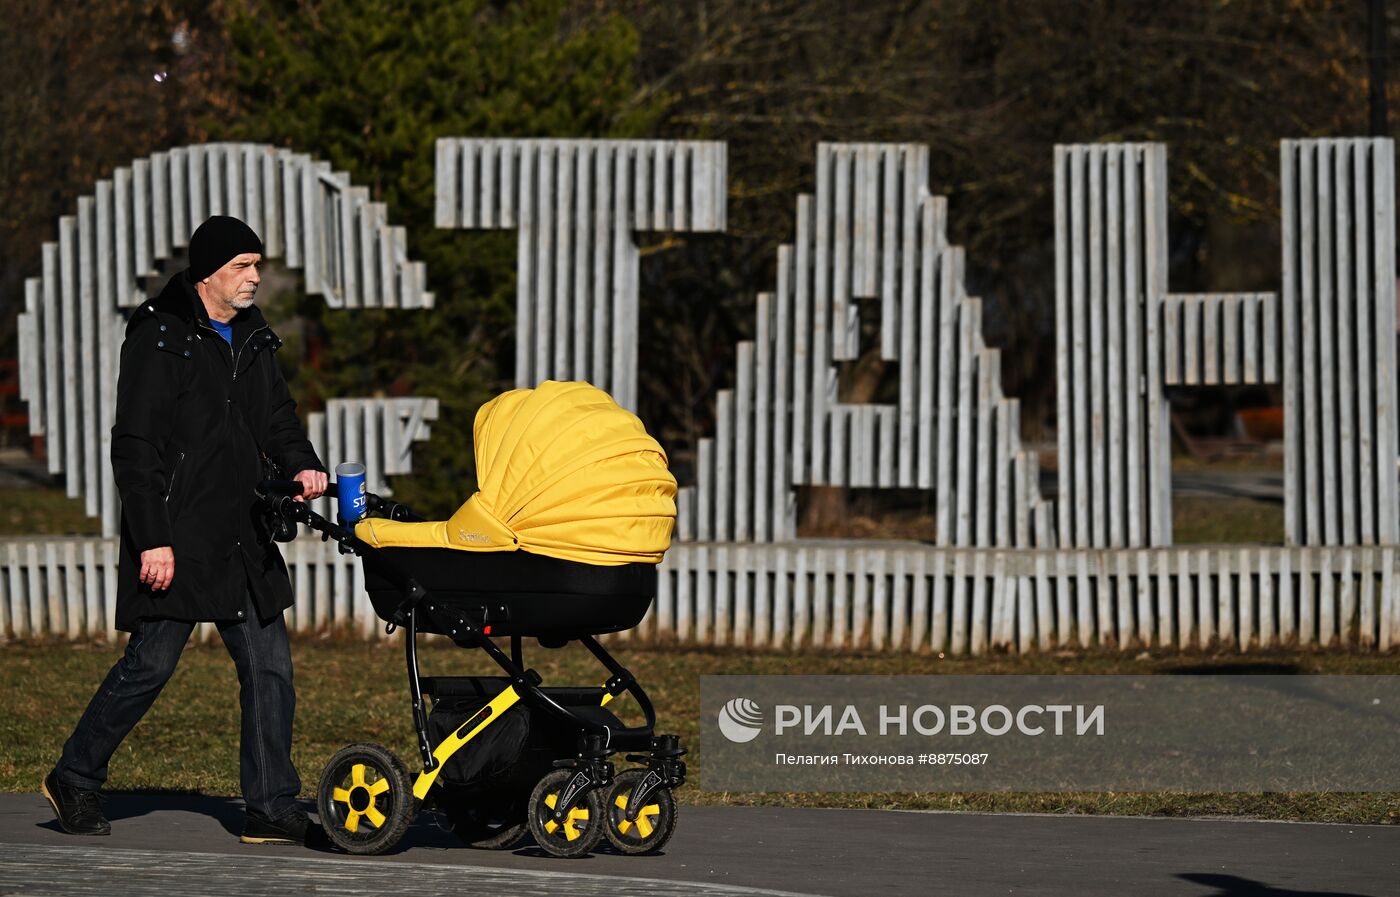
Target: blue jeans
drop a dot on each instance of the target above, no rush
(263, 658)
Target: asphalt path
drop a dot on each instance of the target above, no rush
(167, 844)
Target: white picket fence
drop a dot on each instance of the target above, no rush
(840, 595)
(900, 596)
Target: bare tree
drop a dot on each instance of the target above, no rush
(88, 87)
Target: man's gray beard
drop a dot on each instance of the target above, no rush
(241, 301)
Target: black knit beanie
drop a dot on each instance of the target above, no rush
(217, 240)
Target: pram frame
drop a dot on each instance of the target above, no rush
(592, 768)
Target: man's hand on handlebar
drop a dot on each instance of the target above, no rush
(313, 484)
(158, 567)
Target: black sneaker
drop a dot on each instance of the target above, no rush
(292, 827)
(79, 810)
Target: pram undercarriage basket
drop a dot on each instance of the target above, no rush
(503, 757)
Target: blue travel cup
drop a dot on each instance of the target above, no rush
(350, 491)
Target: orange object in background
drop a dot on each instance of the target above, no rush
(1262, 424)
(14, 420)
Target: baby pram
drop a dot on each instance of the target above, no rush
(560, 544)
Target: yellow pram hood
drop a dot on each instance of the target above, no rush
(564, 471)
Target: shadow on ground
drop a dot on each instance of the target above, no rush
(120, 806)
(424, 832)
(1234, 886)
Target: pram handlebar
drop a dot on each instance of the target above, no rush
(271, 490)
(280, 497)
(288, 489)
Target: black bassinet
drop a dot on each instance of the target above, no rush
(512, 592)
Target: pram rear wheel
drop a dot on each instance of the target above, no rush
(582, 826)
(653, 824)
(365, 799)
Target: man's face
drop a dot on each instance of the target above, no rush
(236, 284)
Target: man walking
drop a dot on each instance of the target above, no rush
(200, 402)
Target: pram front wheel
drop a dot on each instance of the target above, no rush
(582, 826)
(650, 827)
(365, 799)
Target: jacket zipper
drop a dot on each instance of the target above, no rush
(170, 490)
(232, 357)
(235, 358)
(239, 356)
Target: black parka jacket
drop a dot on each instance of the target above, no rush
(194, 416)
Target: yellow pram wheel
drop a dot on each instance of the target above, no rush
(571, 831)
(650, 827)
(365, 799)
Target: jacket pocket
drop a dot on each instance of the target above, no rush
(174, 474)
